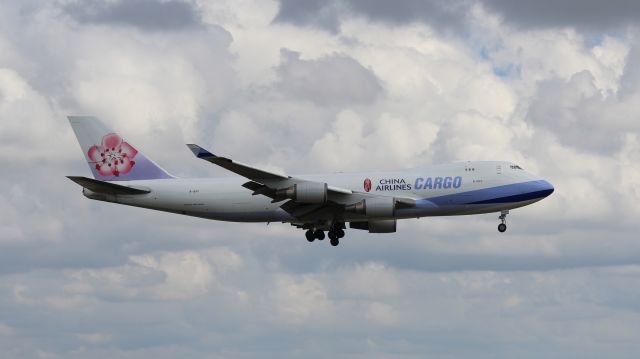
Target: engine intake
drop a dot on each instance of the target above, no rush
(306, 192)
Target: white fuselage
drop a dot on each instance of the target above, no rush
(450, 189)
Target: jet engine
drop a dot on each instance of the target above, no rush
(306, 192)
(376, 226)
(374, 207)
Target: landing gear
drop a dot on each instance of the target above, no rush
(311, 236)
(333, 236)
(335, 232)
(502, 227)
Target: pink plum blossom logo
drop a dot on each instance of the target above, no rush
(367, 185)
(114, 157)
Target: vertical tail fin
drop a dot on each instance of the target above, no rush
(109, 156)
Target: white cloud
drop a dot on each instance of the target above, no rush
(186, 274)
(372, 280)
(381, 313)
(21, 107)
(630, 174)
(170, 276)
(299, 300)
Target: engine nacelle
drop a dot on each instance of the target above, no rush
(306, 192)
(374, 207)
(376, 226)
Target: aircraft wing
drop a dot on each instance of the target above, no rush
(267, 180)
(236, 167)
(274, 185)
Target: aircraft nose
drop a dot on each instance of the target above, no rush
(545, 188)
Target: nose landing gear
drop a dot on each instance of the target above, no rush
(502, 227)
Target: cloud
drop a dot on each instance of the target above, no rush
(162, 276)
(151, 15)
(324, 14)
(442, 16)
(298, 301)
(372, 280)
(387, 87)
(455, 16)
(333, 80)
(588, 15)
(576, 109)
(5, 330)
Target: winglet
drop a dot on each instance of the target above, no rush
(199, 151)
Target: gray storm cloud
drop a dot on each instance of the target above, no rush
(143, 14)
(591, 15)
(334, 80)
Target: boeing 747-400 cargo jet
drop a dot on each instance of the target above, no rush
(371, 201)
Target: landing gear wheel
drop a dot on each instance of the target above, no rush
(333, 235)
(310, 235)
(335, 241)
(340, 233)
(319, 234)
(503, 218)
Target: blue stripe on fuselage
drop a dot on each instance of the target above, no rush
(516, 192)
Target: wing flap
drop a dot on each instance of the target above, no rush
(260, 189)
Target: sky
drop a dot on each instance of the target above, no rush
(321, 86)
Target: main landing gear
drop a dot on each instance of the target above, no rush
(313, 235)
(335, 233)
(503, 218)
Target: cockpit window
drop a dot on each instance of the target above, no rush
(515, 167)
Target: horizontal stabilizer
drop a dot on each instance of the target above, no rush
(106, 187)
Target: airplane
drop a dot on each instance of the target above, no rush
(319, 203)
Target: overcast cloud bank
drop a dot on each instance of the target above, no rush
(306, 86)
